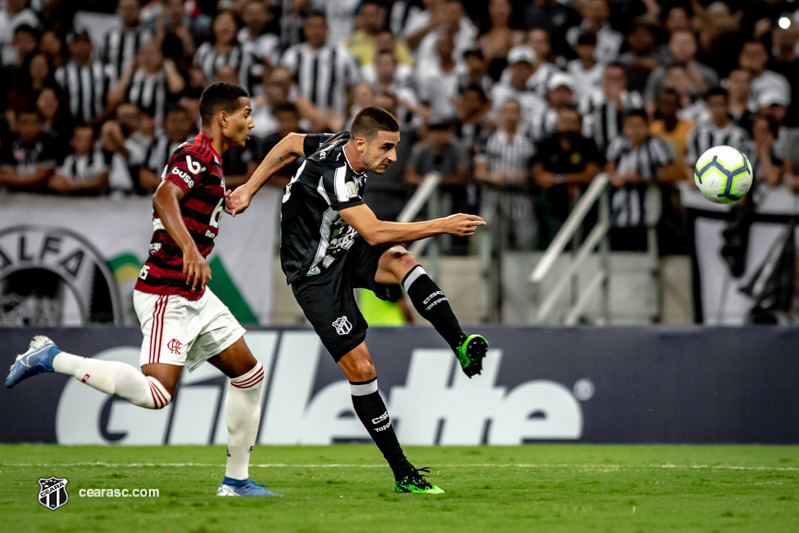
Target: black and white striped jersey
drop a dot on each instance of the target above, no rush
(323, 75)
(706, 135)
(628, 204)
(543, 124)
(265, 47)
(157, 154)
(312, 234)
(86, 87)
(151, 93)
(603, 118)
(506, 154)
(120, 46)
(406, 16)
(84, 167)
(209, 61)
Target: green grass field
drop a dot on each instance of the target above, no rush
(347, 488)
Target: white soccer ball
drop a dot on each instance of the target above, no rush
(723, 174)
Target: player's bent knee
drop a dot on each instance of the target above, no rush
(360, 370)
(159, 397)
(401, 259)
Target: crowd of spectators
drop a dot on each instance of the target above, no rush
(523, 100)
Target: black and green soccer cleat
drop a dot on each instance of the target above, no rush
(471, 352)
(416, 482)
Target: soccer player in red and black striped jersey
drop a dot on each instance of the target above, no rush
(183, 322)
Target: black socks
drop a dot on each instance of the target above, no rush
(431, 303)
(372, 411)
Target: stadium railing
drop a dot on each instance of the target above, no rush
(426, 195)
(546, 297)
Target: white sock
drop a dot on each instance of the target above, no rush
(243, 414)
(115, 379)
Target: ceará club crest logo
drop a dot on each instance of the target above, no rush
(53, 492)
(54, 277)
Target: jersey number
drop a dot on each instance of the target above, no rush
(217, 213)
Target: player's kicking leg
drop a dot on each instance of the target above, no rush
(154, 387)
(357, 366)
(399, 266)
(111, 377)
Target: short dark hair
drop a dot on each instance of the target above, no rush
(474, 52)
(218, 97)
(176, 108)
(476, 88)
(669, 92)
(316, 13)
(717, 91)
(632, 113)
(27, 28)
(371, 120)
(676, 64)
(587, 38)
(82, 126)
(30, 110)
(285, 107)
(369, 2)
(571, 108)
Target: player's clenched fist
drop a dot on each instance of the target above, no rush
(196, 270)
(462, 225)
(237, 201)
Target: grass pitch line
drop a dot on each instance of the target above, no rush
(475, 465)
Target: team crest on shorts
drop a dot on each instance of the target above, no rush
(53, 492)
(342, 325)
(174, 346)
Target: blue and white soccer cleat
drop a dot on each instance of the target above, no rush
(246, 487)
(38, 359)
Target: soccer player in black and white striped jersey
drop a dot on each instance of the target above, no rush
(224, 50)
(86, 82)
(85, 169)
(719, 130)
(323, 73)
(634, 161)
(120, 45)
(603, 112)
(149, 81)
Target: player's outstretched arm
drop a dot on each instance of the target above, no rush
(166, 201)
(284, 152)
(375, 231)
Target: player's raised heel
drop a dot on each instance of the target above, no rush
(471, 352)
(38, 359)
(247, 487)
(415, 482)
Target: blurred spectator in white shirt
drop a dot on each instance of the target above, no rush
(586, 70)
(596, 15)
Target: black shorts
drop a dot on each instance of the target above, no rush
(328, 300)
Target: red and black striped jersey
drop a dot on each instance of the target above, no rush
(196, 168)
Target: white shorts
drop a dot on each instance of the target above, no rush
(182, 332)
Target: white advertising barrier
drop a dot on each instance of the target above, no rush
(719, 297)
(436, 404)
(74, 261)
(616, 384)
